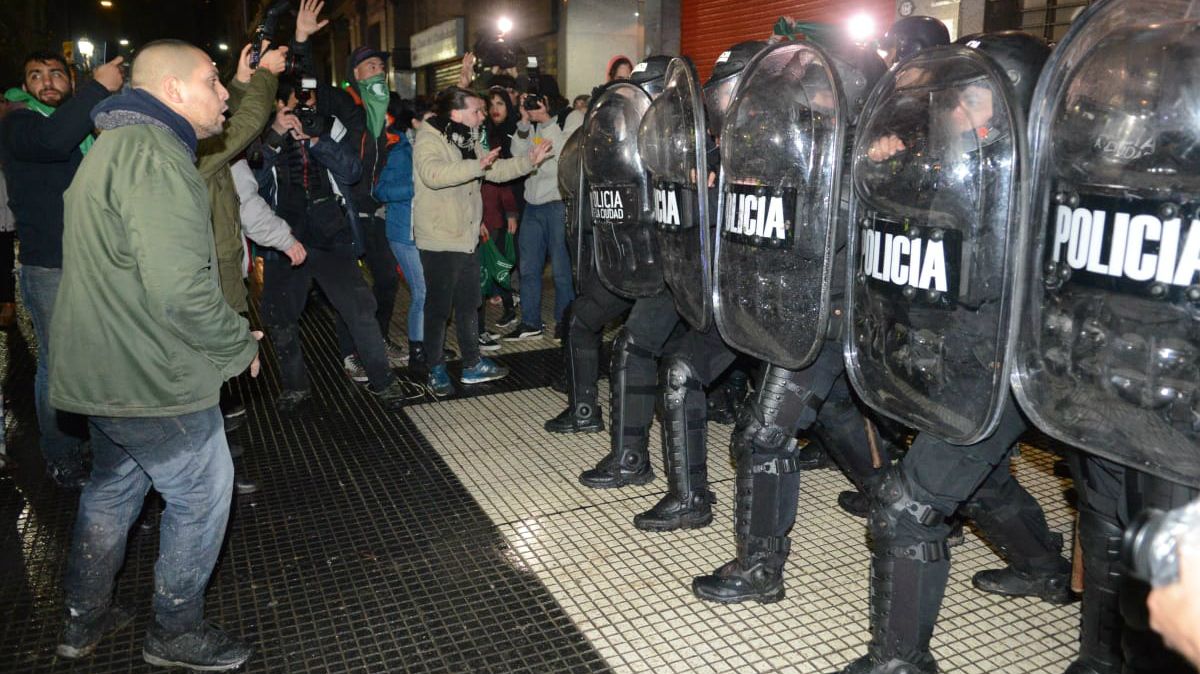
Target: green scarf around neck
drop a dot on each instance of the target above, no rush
(18, 95)
(374, 94)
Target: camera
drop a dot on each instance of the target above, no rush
(266, 31)
(1150, 546)
(534, 99)
(494, 51)
(306, 109)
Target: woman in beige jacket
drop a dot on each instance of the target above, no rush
(449, 161)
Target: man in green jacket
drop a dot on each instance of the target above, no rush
(141, 344)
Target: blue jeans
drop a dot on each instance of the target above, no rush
(410, 262)
(186, 459)
(62, 433)
(544, 231)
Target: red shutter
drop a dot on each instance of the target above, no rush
(709, 27)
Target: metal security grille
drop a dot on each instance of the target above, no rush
(1050, 18)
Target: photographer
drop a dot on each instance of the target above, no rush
(1175, 608)
(307, 171)
(543, 231)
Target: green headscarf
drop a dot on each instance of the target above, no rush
(374, 94)
(17, 95)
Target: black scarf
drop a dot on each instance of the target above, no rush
(459, 135)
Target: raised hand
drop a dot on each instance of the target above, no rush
(306, 19)
(109, 75)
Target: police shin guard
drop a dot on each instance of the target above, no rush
(1014, 523)
(768, 485)
(633, 381)
(910, 564)
(581, 354)
(688, 502)
(1100, 614)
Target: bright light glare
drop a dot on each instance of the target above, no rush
(123, 42)
(86, 47)
(106, 4)
(861, 27)
(223, 47)
(505, 24)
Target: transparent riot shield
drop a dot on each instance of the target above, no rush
(933, 266)
(781, 156)
(618, 200)
(1108, 358)
(672, 142)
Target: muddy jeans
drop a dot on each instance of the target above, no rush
(186, 459)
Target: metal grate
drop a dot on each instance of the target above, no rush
(1050, 18)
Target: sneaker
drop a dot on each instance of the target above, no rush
(439, 381)
(396, 393)
(508, 320)
(523, 331)
(487, 343)
(291, 401)
(354, 369)
(396, 356)
(80, 637)
(206, 649)
(485, 370)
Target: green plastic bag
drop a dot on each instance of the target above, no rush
(496, 265)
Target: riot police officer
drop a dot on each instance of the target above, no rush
(938, 196)
(1107, 358)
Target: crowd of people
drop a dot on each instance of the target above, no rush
(133, 198)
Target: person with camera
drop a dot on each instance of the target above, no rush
(308, 167)
(41, 147)
(450, 162)
(543, 231)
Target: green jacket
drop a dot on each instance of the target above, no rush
(140, 328)
(251, 104)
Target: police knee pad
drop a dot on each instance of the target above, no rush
(902, 524)
(679, 377)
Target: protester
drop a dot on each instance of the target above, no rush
(41, 147)
(141, 342)
(450, 161)
(500, 207)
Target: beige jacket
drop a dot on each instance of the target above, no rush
(447, 206)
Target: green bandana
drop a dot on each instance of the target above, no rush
(374, 94)
(17, 95)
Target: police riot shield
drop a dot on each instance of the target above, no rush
(1108, 357)
(618, 202)
(570, 184)
(672, 143)
(936, 198)
(781, 156)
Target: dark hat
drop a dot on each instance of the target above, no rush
(363, 53)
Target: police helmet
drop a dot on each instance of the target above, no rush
(718, 90)
(649, 74)
(1020, 55)
(911, 35)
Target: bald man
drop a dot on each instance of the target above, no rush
(141, 343)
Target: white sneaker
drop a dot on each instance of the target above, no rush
(354, 369)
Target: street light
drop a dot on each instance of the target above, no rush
(106, 4)
(223, 47)
(86, 48)
(123, 42)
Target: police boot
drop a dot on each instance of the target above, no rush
(632, 381)
(581, 355)
(1013, 522)
(727, 396)
(1100, 614)
(768, 486)
(910, 564)
(688, 501)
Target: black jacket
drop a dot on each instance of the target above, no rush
(40, 157)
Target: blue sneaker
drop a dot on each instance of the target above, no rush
(439, 381)
(485, 370)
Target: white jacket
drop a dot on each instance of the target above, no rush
(541, 187)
